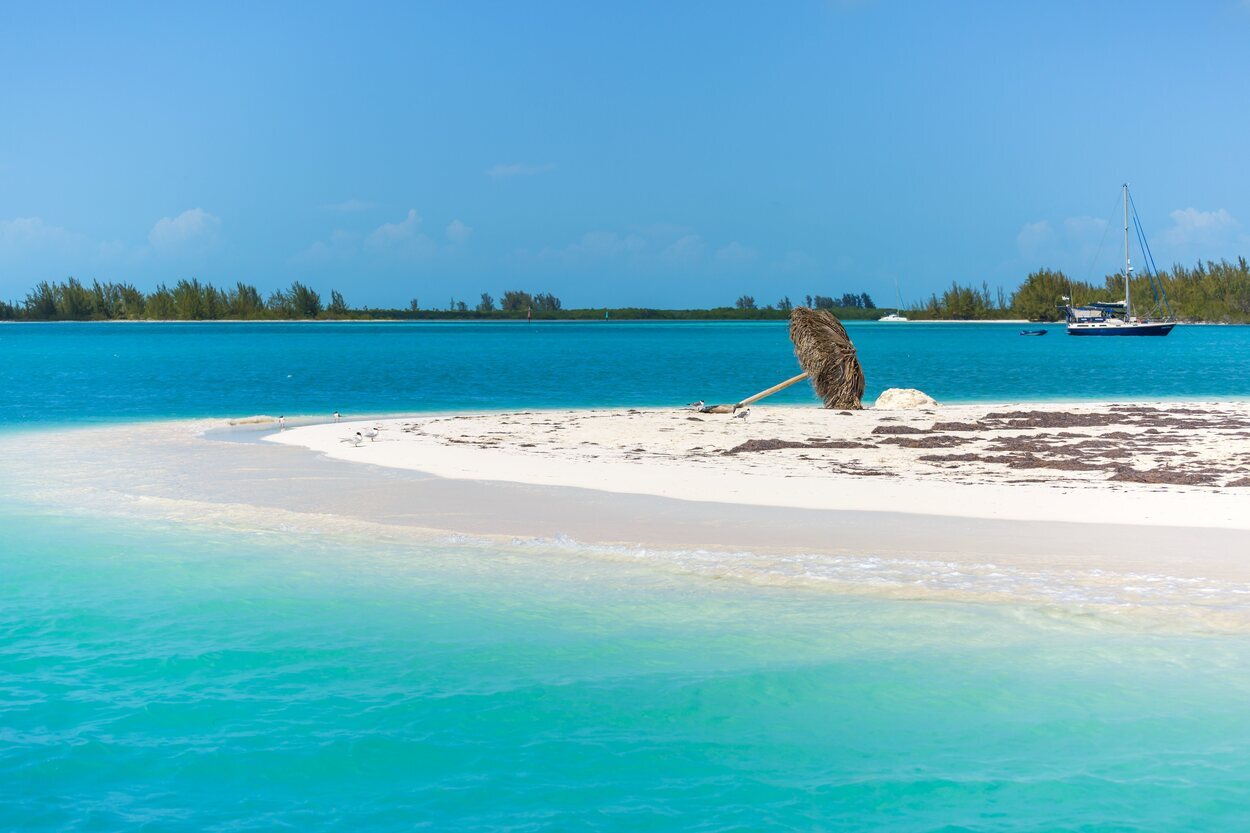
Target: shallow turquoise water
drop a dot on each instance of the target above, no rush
(74, 372)
(161, 677)
(172, 679)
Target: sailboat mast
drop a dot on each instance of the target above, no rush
(1128, 267)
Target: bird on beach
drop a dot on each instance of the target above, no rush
(372, 433)
(696, 406)
(742, 414)
(337, 416)
(359, 439)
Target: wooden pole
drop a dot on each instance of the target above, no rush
(787, 383)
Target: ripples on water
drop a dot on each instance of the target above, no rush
(166, 677)
(94, 372)
(151, 676)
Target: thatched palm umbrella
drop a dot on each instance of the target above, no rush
(827, 356)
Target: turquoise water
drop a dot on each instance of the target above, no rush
(158, 678)
(78, 372)
(164, 677)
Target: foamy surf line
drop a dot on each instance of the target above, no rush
(172, 472)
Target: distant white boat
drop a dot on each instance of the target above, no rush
(897, 315)
(1116, 318)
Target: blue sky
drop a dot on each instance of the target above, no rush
(661, 154)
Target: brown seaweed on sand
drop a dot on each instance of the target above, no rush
(776, 445)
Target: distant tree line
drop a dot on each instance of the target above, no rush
(187, 300)
(1210, 291)
(191, 300)
(847, 302)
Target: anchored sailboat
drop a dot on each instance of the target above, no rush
(1116, 318)
(897, 315)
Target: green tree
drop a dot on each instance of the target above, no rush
(337, 305)
(244, 302)
(74, 301)
(190, 303)
(132, 302)
(546, 302)
(304, 301)
(487, 304)
(40, 302)
(744, 302)
(1038, 297)
(516, 301)
(279, 304)
(160, 305)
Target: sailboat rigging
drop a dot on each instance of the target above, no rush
(1116, 318)
(897, 315)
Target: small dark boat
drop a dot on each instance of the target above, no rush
(1034, 332)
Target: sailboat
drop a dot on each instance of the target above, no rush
(1116, 318)
(897, 315)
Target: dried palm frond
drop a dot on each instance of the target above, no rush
(828, 358)
(825, 352)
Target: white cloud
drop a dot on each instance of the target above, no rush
(1084, 227)
(25, 234)
(735, 254)
(1190, 226)
(685, 248)
(351, 206)
(402, 239)
(195, 226)
(342, 244)
(458, 232)
(389, 234)
(593, 245)
(798, 262)
(607, 244)
(111, 249)
(1033, 236)
(519, 169)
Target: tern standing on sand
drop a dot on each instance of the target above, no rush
(337, 416)
(742, 414)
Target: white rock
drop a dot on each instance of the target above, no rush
(903, 399)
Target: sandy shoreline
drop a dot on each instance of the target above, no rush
(1093, 463)
(613, 484)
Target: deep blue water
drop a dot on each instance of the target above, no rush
(55, 373)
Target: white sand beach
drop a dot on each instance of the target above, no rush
(1120, 507)
(1098, 463)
